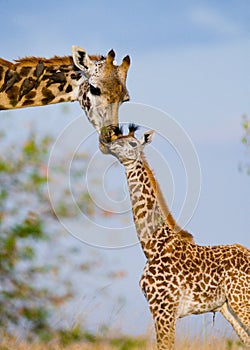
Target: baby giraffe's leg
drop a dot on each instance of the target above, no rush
(241, 329)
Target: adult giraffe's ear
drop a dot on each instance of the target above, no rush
(82, 60)
(123, 68)
(147, 137)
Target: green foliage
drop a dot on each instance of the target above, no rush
(128, 343)
(20, 300)
(26, 300)
(246, 141)
(30, 227)
(33, 287)
(76, 334)
(229, 344)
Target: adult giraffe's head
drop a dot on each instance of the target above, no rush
(96, 81)
(103, 88)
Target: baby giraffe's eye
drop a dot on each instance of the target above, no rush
(133, 144)
(94, 90)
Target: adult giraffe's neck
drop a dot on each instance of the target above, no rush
(35, 81)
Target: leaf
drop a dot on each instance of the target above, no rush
(27, 253)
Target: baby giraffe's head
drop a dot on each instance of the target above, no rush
(126, 148)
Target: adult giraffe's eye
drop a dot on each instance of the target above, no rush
(94, 90)
(133, 144)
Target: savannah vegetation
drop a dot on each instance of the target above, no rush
(246, 142)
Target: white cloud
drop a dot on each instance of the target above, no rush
(214, 21)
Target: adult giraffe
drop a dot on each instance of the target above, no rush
(95, 81)
(180, 277)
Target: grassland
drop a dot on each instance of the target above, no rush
(122, 344)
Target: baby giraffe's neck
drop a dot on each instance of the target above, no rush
(150, 210)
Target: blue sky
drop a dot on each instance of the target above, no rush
(190, 59)
(131, 26)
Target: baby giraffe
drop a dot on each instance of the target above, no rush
(180, 277)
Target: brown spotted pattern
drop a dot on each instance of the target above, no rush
(98, 84)
(149, 208)
(101, 95)
(35, 81)
(180, 277)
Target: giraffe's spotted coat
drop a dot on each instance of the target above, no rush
(180, 277)
(37, 81)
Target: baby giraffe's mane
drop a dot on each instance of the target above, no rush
(163, 205)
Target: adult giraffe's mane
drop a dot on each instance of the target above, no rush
(32, 61)
(6, 63)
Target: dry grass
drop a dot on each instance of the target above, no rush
(188, 344)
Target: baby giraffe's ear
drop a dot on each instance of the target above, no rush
(147, 137)
(82, 60)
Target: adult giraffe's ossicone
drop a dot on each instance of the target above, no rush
(95, 81)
